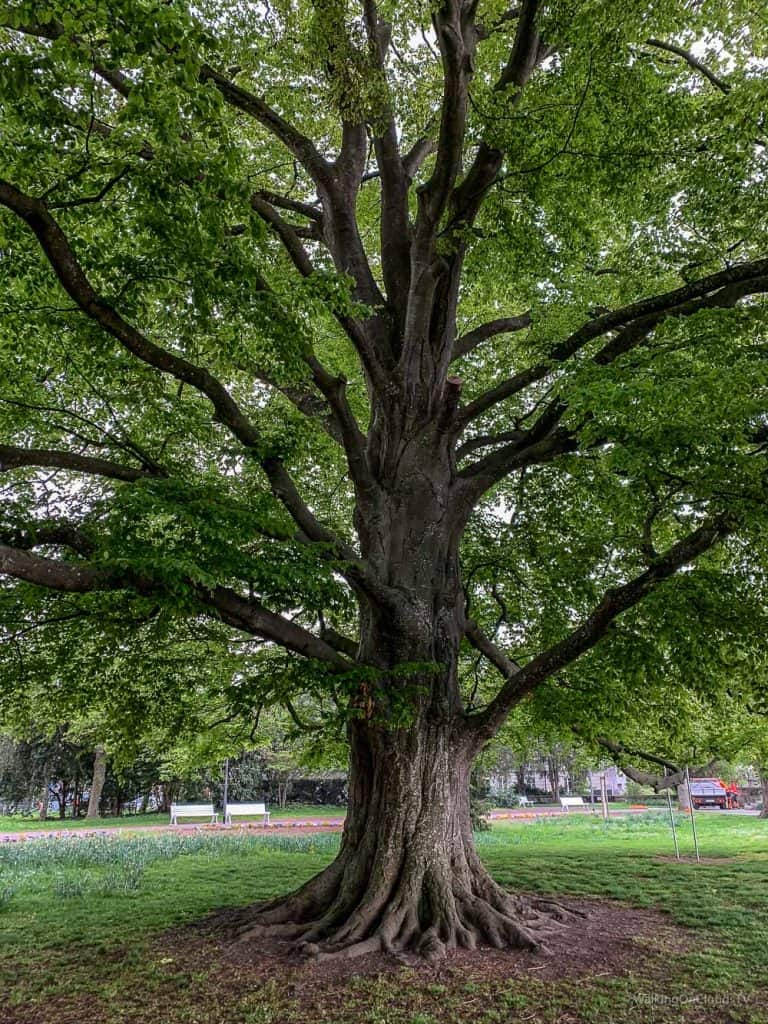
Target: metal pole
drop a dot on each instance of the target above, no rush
(693, 815)
(672, 820)
(226, 788)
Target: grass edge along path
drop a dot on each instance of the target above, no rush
(155, 819)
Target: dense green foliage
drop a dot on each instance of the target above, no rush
(628, 172)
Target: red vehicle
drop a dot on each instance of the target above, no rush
(714, 793)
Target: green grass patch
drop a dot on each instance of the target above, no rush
(84, 929)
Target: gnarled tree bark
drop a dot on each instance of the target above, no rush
(407, 875)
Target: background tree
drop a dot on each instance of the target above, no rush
(464, 333)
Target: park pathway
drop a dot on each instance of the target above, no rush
(304, 825)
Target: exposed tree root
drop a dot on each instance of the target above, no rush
(402, 928)
(407, 880)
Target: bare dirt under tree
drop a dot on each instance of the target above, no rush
(604, 941)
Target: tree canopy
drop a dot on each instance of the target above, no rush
(343, 344)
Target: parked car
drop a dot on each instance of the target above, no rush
(713, 793)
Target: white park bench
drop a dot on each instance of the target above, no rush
(192, 811)
(241, 810)
(523, 801)
(571, 801)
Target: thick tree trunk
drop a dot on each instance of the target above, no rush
(764, 787)
(407, 876)
(97, 781)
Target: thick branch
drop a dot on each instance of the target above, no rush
(478, 477)
(620, 752)
(521, 681)
(416, 155)
(308, 210)
(669, 303)
(490, 440)
(299, 145)
(454, 27)
(285, 232)
(242, 613)
(343, 644)
(721, 289)
(334, 392)
(637, 331)
(253, 617)
(49, 572)
(674, 775)
(505, 325)
(307, 401)
(489, 650)
(15, 458)
(527, 53)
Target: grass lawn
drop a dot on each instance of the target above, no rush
(101, 931)
(23, 823)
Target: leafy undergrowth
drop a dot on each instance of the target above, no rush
(113, 929)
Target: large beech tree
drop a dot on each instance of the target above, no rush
(389, 336)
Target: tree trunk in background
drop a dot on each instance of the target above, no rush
(553, 765)
(764, 787)
(44, 803)
(97, 781)
(61, 797)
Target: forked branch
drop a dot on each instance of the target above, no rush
(722, 289)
